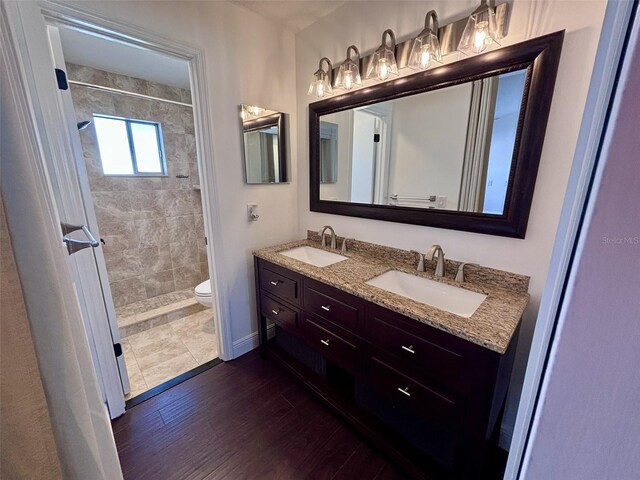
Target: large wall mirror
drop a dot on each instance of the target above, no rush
(454, 147)
(263, 145)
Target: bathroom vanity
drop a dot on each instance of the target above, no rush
(422, 384)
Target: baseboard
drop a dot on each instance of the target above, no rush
(504, 442)
(246, 344)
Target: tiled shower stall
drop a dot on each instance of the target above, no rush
(152, 227)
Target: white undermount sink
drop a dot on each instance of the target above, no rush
(458, 301)
(313, 256)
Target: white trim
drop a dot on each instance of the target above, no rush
(72, 390)
(249, 342)
(612, 38)
(120, 31)
(506, 435)
(39, 58)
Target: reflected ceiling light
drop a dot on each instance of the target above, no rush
(383, 64)
(481, 30)
(349, 72)
(249, 111)
(426, 47)
(320, 85)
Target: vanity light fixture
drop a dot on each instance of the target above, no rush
(481, 30)
(383, 64)
(426, 47)
(320, 85)
(349, 72)
(249, 111)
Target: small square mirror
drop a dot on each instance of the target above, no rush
(264, 145)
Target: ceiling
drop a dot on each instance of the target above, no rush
(293, 14)
(83, 48)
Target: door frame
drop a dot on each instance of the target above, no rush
(51, 124)
(609, 55)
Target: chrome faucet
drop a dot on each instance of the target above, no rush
(333, 236)
(436, 250)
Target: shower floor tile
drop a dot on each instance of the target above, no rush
(166, 351)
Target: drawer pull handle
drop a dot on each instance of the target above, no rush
(276, 283)
(326, 307)
(275, 312)
(325, 342)
(405, 391)
(408, 349)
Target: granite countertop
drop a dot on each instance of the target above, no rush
(492, 325)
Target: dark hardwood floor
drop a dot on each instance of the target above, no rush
(245, 419)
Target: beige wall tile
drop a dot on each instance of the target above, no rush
(159, 283)
(132, 212)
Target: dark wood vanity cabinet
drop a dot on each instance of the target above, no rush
(427, 398)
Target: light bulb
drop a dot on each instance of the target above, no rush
(425, 57)
(481, 39)
(320, 89)
(383, 69)
(348, 80)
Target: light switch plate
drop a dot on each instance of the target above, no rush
(252, 212)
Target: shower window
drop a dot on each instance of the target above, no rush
(130, 147)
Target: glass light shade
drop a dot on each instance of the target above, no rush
(320, 85)
(425, 51)
(480, 32)
(383, 64)
(349, 73)
(426, 47)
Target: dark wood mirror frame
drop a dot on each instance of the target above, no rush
(274, 120)
(540, 56)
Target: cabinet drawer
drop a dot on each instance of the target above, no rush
(434, 406)
(280, 314)
(331, 344)
(280, 285)
(437, 361)
(326, 306)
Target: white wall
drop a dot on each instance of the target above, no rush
(587, 424)
(361, 23)
(428, 138)
(248, 60)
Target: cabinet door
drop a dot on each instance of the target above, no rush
(437, 406)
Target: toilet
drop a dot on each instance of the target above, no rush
(202, 293)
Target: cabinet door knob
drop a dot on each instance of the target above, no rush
(405, 391)
(326, 307)
(276, 283)
(325, 342)
(275, 312)
(408, 349)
